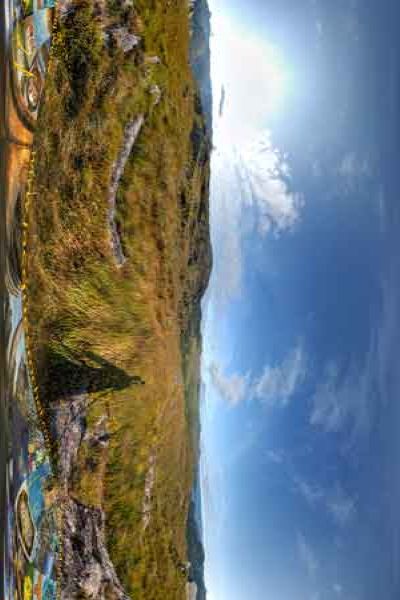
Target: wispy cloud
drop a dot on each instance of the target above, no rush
(213, 494)
(342, 399)
(307, 556)
(334, 501)
(278, 383)
(341, 506)
(252, 195)
(349, 395)
(227, 232)
(276, 456)
(233, 388)
(251, 185)
(312, 493)
(338, 589)
(328, 408)
(381, 208)
(353, 169)
(275, 387)
(265, 176)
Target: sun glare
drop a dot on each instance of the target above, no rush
(254, 78)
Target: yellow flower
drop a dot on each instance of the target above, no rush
(27, 588)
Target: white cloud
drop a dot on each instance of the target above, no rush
(307, 556)
(349, 396)
(348, 166)
(311, 493)
(328, 409)
(251, 192)
(316, 168)
(353, 165)
(278, 383)
(338, 589)
(275, 387)
(215, 511)
(276, 456)
(227, 230)
(342, 400)
(353, 169)
(381, 208)
(265, 174)
(334, 501)
(233, 388)
(250, 184)
(341, 506)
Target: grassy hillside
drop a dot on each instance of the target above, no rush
(117, 333)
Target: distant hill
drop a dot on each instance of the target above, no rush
(196, 554)
(200, 55)
(200, 254)
(201, 266)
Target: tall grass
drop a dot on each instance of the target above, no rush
(91, 317)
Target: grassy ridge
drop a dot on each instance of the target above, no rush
(100, 328)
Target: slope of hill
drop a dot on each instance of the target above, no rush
(200, 60)
(119, 257)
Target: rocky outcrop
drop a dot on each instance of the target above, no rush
(99, 436)
(121, 38)
(131, 133)
(65, 8)
(152, 60)
(114, 35)
(156, 93)
(148, 491)
(87, 571)
(70, 426)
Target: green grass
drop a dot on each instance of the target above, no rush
(85, 310)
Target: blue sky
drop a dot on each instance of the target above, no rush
(301, 321)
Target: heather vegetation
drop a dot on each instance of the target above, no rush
(128, 337)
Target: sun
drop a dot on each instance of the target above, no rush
(254, 76)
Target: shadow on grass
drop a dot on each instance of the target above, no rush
(71, 375)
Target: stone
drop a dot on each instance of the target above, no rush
(123, 39)
(155, 91)
(152, 60)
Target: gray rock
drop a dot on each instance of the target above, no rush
(152, 60)
(86, 570)
(156, 93)
(122, 38)
(69, 424)
(131, 133)
(99, 436)
(148, 491)
(65, 7)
